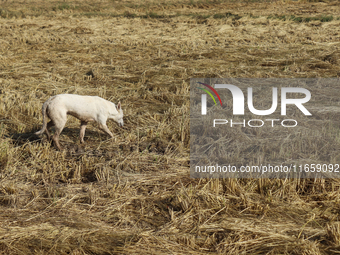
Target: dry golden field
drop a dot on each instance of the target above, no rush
(133, 194)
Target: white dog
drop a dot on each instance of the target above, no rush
(85, 108)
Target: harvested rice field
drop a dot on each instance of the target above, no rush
(133, 194)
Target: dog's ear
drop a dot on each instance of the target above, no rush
(118, 106)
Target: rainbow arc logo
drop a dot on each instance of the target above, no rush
(208, 92)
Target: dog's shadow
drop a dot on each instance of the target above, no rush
(22, 138)
(73, 149)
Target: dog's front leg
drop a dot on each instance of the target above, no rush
(82, 131)
(105, 129)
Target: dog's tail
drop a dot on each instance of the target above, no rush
(43, 110)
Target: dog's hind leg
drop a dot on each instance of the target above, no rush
(82, 131)
(59, 123)
(55, 137)
(49, 125)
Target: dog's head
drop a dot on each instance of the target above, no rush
(119, 117)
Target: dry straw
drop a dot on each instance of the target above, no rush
(133, 194)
